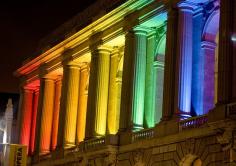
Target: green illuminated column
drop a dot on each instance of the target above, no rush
(98, 93)
(133, 89)
(149, 114)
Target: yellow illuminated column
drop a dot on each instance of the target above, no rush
(112, 113)
(47, 114)
(56, 113)
(82, 107)
(69, 105)
(98, 93)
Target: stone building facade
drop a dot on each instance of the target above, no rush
(134, 83)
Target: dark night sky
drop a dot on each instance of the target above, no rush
(22, 25)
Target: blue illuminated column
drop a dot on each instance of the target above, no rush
(198, 63)
(184, 49)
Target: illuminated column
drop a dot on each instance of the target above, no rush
(184, 51)
(198, 63)
(227, 62)
(133, 88)
(26, 116)
(149, 113)
(208, 50)
(82, 107)
(34, 119)
(113, 114)
(98, 93)
(56, 113)
(170, 65)
(158, 89)
(69, 105)
(47, 115)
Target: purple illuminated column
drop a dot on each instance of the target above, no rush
(184, 52)
(208, 50)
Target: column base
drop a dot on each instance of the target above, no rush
(181, 115)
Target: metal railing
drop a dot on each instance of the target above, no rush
(143, 135)
(193, 122)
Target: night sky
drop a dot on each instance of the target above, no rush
(22, 25)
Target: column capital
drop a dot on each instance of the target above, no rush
(100, 49)
(70, 62)
(140, 30)
(187, 7)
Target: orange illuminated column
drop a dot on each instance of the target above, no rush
(82, 107)
(56, 113)
(34, 117)
(47, 114)
(26, 113)
(69, 105)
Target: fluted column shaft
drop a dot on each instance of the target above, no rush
(149, 114)
(98, 92)
(69, 106)
(207, 100)
(184, 51)
(56, 110)
(82, 107)
(226, 91)
(26, 115)
(158, 89)
(34, 120)
(113, 114)
(170, 65)
(133, 91)
(47, 115)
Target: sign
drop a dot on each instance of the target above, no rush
(16, 155)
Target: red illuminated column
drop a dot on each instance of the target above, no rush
(47, 115)
(56, 113)
(26, 114)
(34, 118)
